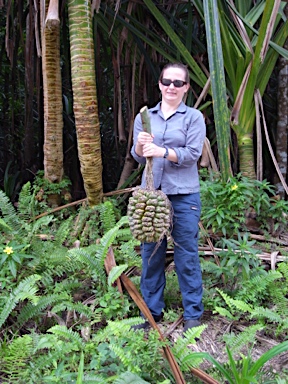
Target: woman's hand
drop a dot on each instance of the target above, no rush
(144, 138)
(152, 150)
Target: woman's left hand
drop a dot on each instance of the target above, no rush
(152, 150)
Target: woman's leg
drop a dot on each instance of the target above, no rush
(187, 209)
(153, 276)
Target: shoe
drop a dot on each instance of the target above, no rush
(190, 324)
(146, 324)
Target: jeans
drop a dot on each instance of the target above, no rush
(186, 215)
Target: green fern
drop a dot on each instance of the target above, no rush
(25, 290)
(80, 308)
(67, 335)
(126, 253)
(26, 202)
(30, 311)
(9, 213)
(256, 289)
(15, 357)
(181, 351)
(126, 357)
(63, 232)
(106, 241)
(107, 216)
(116, 272)
(4, 226)
(132, 378)
(246, 338)
(232, 303)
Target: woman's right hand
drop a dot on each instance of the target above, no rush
(144, 138)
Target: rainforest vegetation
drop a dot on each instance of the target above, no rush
(73, 75)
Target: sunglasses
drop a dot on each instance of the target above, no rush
(176, 83)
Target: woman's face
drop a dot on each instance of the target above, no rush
(170, 93)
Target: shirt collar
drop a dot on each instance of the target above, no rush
(182, 108)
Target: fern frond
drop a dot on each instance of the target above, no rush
(4, 227)
(107, 215)
(84, 256)
(257, 287)
(131, 378)
(25, 290)
(116, 272)
(108, 239)
(283, 268)
(243, 339)
(225, 313)
(16, 357)
(265, 313)
(29, 311)
(125, 356)
(82, 309)
(63, 231)
(232, 303)
(68, 335)
(181, 351)
(9, 212)
(127, 253)
(26, 202)
(42, 223)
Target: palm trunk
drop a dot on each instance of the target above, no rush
(52, 86)
(246, 155)
(282, 121)
(85, 103)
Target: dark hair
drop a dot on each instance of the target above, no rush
(176, 65)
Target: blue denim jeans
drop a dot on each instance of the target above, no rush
(186, 215)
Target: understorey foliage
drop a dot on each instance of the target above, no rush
(63, 320)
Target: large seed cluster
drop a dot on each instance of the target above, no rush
(149, 213)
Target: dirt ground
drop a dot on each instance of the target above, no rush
(211, 341)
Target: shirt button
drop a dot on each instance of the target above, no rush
(161, 169)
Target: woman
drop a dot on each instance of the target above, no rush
(178, 134)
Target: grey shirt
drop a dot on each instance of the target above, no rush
(184, 131)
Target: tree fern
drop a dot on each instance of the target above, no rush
(25, 290)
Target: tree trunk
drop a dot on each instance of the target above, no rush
(282, 120)
(85, 103)
(246, 155)
(52, 89)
